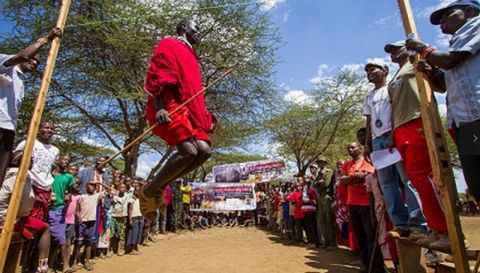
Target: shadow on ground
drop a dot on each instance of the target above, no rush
(321, 260)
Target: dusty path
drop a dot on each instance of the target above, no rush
(227, 250)
(245, 250)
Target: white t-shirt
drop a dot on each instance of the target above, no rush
(377, 105)
(463, 81)
(135, 202)
(11, 93)
(44, 156)
(120, 205)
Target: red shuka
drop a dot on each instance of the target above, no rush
(174, 73)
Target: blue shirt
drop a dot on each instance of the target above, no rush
(463, 81)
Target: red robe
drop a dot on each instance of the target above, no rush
(174, 73)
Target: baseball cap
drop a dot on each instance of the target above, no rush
(389, 47)
(313, 166)
(437, 15)
(376, 64)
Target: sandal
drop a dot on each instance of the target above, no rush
(148, 206)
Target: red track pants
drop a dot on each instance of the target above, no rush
(411, 143)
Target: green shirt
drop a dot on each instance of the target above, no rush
(61, 183)
(404, 95)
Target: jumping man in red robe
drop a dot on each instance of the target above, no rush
(173, 77)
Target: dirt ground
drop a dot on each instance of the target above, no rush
(240, 250)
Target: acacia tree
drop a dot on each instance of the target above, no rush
(323, 125)
(97, 88)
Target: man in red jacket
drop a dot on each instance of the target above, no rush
(173, 77)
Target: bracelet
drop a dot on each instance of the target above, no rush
(427, 51)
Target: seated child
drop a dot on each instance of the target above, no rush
(27, 225)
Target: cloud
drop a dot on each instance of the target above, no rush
(143, 170)
(426, 12)
(95, 143)
(442, 109)
(298, 96)
(352, 67)
(270, 4)
(442, 40)
(321, 70)
(382, 22)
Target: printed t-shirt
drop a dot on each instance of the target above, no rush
(44, 155)
(120, 205)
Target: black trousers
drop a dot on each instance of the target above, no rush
(468, 143)
(310, 219)
(298, 230)
(365, 235)
(6, 148)
(170, 221)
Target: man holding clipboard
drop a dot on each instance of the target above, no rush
(406, 216)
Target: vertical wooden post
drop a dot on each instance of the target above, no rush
(439, 156)
(32, 134)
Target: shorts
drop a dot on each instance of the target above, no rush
(118, 227)
(86, 232)
(56, 219)
(70, 233)
(29, 226)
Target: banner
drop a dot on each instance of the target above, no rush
(249, 172)
(222, 197)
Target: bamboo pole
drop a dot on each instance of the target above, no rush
(139, 138)
(7, 230)
(439, 155)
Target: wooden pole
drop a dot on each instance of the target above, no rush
(139, 138)
(7, 230)
(439, 155)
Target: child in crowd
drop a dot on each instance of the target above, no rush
(135, 223)
(71, 210)
(86, 216)
(62, 184)
(28, 226)
(119, 216)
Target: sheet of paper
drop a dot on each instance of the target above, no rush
(384, 158)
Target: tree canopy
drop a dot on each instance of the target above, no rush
(322, 125)
(97, 94)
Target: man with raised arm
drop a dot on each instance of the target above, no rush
(12, 78)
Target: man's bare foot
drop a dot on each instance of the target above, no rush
(148, 205)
